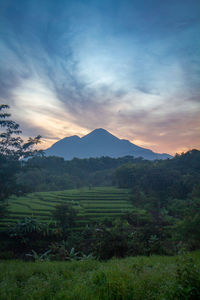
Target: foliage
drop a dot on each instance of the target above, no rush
(188, 231)
(87, 256)
(39, 257)
(155, 277)
(169, 191)
(188, 278)
(133, 233)
(25, 227)
(12, 150)
(11, 145)
(159, 215)
(28, 234)
(59, 251)
(110, 239)
(54, 174)
(65, 215)
(28, 226)
(73, 255)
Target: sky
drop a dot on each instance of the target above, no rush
(131, 67)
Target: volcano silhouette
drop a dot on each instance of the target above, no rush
(100, 143)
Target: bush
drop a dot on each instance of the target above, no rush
(188, 278)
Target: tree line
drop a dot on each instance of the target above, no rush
(165, 195)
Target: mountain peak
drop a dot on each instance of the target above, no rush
(100, 130)
(97, 143)
(99, 133)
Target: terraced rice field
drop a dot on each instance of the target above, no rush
(91, 204)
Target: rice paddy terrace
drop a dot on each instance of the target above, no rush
(91, 204)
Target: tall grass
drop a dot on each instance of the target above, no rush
(156, 277)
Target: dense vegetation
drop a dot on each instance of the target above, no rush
(12, 149)
(180, 174)
(55, 174)
(89, 204)
(158, 212)
(52, 209)
(156, 277)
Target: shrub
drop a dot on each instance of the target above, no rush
(188, 278)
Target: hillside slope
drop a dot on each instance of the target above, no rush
(91, 204)
(100, 143)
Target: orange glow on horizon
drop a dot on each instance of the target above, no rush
(46, 143)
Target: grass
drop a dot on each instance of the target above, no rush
(155, 277)
(91, 204)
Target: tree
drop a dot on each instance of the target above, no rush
(65, 215)
(13, 146)
(12, 149)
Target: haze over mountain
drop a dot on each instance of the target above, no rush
(100, 143)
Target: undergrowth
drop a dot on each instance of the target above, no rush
(154, 277)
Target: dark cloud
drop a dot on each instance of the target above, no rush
(130, 66)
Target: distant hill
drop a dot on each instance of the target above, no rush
(100, 143)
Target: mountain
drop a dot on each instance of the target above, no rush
(100, 143)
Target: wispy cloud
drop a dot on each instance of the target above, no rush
(133, 67)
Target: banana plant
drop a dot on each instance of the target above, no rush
(39, 257)
(72, 255)
(87, 257)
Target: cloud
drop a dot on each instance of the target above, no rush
(130, 66)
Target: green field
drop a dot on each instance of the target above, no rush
(91, 204)
(143, 278)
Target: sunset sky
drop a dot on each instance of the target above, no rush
(131, 67)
